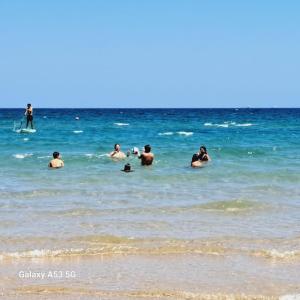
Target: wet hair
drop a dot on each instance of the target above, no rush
(147, 148)
(55, 154)
(204, 148)
(28, 105)
(195, 158)
(116, 146)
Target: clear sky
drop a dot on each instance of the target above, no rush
(155, 53)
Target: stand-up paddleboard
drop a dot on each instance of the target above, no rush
(19, 129)
(26, 130)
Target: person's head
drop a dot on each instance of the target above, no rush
(28, 105)
(147, 149)
(195, 158)
(117, 147)
(203, 150)
(127, 168)
(55, 154)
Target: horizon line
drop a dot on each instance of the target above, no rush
(241, 107)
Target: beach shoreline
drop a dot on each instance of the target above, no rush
(175, 276)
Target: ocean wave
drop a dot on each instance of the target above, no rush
(78, 131)
(235, 205)
(121, 124)
(186, 133)
(166, 133)
(244, 125)
(228, 124)
(21, 156)
(113, 245)
(278, 254)
(109, 245)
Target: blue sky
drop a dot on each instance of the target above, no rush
(150, 53)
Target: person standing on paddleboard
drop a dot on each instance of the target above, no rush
(29, 115)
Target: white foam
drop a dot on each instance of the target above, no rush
(185, 133)
(78, 131)
(227, 124)
(21, 156)
(121, 124)
(285, 254)
(244, 125)
(26, 139)
(40, 253)
(47, 156)
(290, 297)
(166, 133)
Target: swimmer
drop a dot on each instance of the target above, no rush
(117, 153)
(29, 115)
(196, 163)
(56, 162)
(200, 158)
(146, 157)
(203, 155)
(127, 168)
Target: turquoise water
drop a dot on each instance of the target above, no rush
(247, 198)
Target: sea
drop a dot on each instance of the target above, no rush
(228, 230)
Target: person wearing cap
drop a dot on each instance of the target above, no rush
(56, 162)
(117, 153)
(146, 157)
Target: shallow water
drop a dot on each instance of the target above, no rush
(244, 206)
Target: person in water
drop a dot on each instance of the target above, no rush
(117, 153)
(56, 162)
(29, 115)
(199, 158)
(146, 157)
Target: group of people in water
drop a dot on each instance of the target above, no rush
(146, 157)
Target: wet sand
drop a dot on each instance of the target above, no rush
(186, 276)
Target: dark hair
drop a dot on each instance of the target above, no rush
(116, 146)
(28, 104)
(127, 168)
(195, 158)
(204, 148)
(55, 154)
(147, 148)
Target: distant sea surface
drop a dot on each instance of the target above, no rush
(236, 220)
